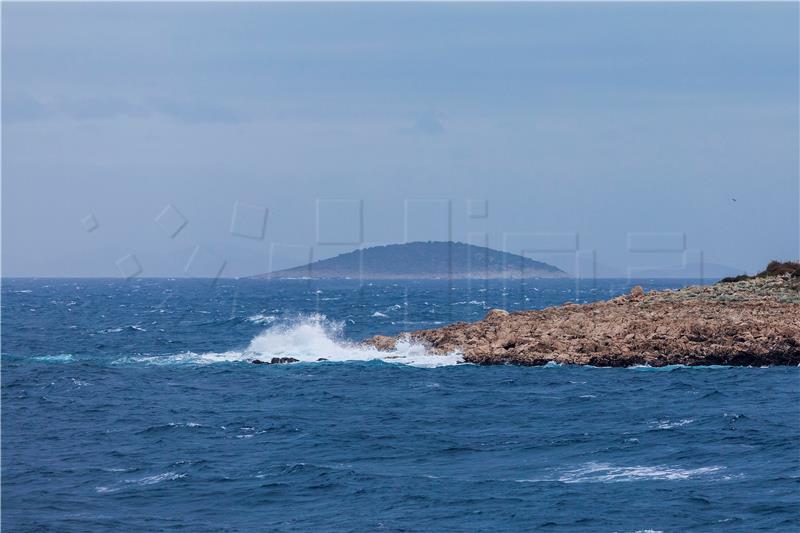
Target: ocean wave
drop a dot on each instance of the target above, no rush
(132, 327)
(147, 480)
(670, 368)
(60, 358)
(309, 339)
(261, 318)
(606, 473)
(668, 424)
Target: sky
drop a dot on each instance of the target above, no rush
(231, 139)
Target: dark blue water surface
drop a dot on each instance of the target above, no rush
(131, 406)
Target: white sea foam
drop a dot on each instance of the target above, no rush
(147, 480)
(471, 302)
(670, 368)
(261, 318)
(378, 314)
(61, 358)
(132, 327)
(307, 339)
(158, 478)
(605, 473)
(669, 424)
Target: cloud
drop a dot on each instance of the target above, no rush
(24, 108)
(101, 108)
(428, 124)
(196, 111)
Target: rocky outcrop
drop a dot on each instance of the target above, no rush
(774, 268)
(755, 321)
(275, 361)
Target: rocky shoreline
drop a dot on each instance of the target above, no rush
(746, 321)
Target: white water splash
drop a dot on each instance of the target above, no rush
(308, 339)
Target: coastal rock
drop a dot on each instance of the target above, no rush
(383, 343)
(750, 322)
(275, 361)
(495, 314)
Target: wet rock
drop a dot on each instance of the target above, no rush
(283, 360)
(275, 361)
(383, 343)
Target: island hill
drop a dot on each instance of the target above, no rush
(423, 260)
(744, 320)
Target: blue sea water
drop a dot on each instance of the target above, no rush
(131, 406)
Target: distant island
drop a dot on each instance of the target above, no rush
(423, 260)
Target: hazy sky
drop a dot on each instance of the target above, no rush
(610, 129)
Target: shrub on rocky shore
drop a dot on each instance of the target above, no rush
(774, 268)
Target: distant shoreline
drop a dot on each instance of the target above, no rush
(410, 277)
(268, 277)
(424, 260)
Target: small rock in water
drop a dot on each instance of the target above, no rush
(383, 343)
(283, 360)
(275, 361)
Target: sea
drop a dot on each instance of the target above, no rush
(132, 405)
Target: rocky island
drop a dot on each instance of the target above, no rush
(423, 260)
(747, 320)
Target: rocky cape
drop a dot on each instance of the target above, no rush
(742, 321)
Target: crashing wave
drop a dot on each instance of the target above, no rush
(307, 339)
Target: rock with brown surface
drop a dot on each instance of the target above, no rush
(749, 322)
(496, 314)
(384, 343)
